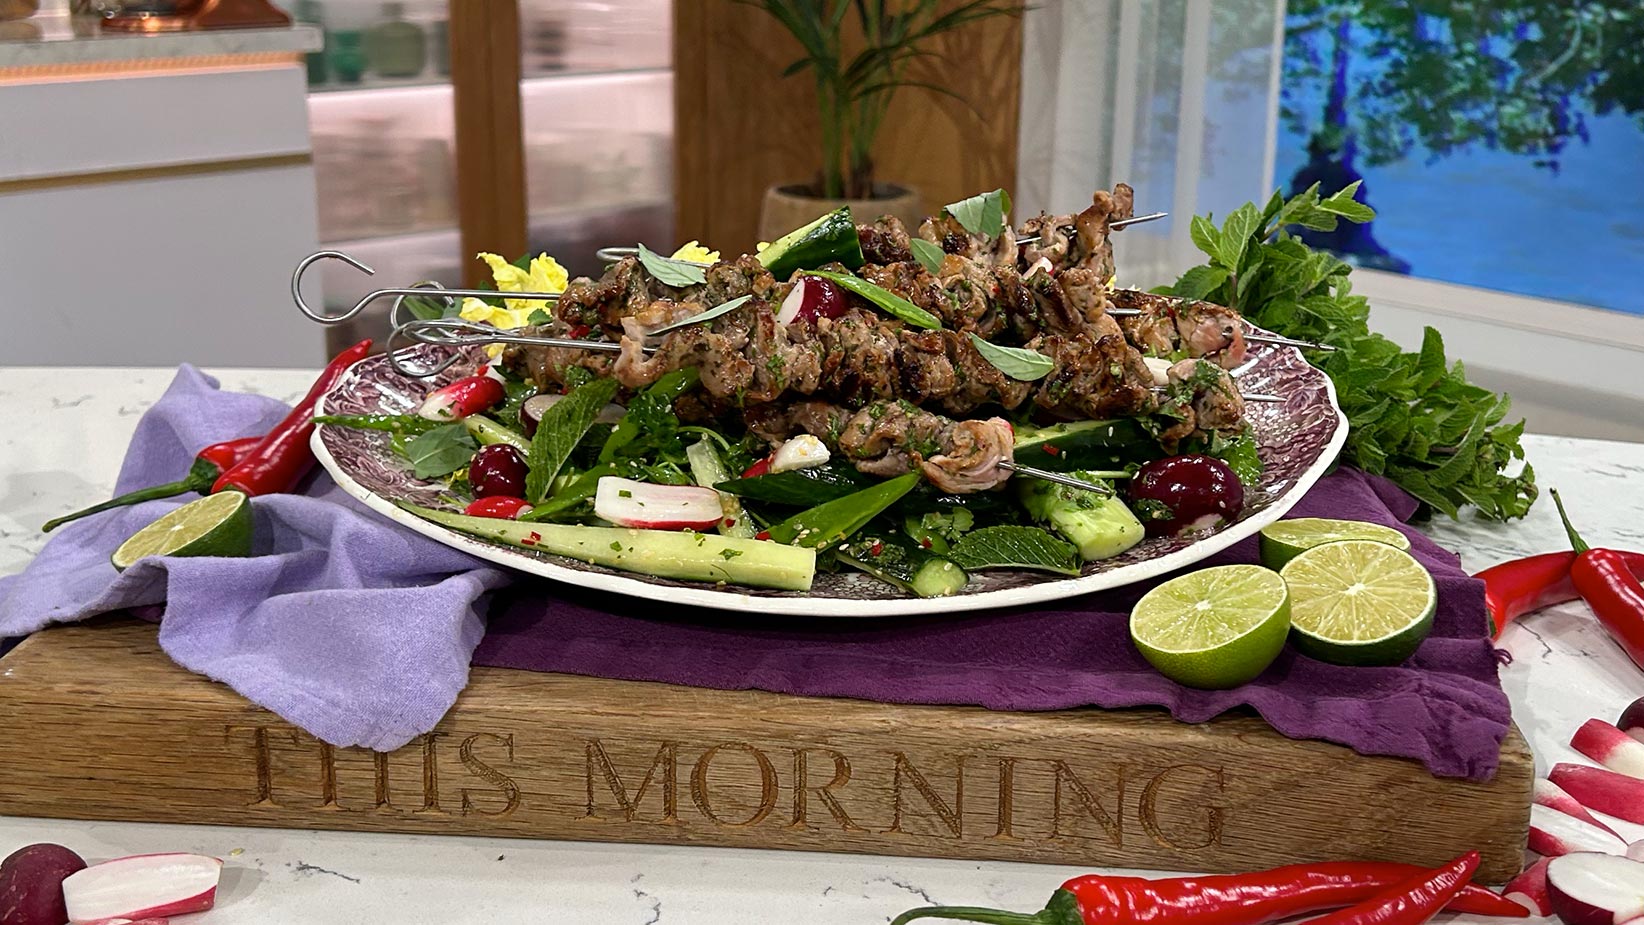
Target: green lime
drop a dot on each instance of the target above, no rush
(1359, 602)
(1214, 628)
(1286, 539)
(216, 525)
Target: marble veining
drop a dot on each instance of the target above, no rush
(1563, 670)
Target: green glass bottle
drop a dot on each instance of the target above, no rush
(319, 71)
(395, 47)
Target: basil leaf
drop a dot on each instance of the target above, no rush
(1016, 362)
(1015, 547)
(676, 273)
(708, 315)
(538, 316)
(559, 432)
(929, 255)
(440, 451)
(982, 214)
(892, 303)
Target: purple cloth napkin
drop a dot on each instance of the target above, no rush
(344, 624)
(1445, 707)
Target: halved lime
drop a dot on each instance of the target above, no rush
(1359, 602)
(216, 525)
(1286, 539)
(1214, 628)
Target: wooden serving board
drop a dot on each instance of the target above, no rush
(99, 724)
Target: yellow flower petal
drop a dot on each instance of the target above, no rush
(509, 278)
(695, 252)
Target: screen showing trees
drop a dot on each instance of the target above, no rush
(1501, 143)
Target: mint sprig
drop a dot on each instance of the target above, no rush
(1413, 416)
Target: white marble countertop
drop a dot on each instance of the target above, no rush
(48, 39)
(68, 432)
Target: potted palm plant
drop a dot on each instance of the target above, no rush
(853, 92)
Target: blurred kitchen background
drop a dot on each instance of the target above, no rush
(156, 189)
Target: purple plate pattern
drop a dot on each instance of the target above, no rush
(1297, 439)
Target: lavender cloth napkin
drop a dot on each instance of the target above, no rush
(344, 624)
(1444, 707)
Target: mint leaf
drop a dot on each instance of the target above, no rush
(929, 255)
(892, 303)
(1016, 362)
(708, 315)
(1015, 547)
(1205, 236)
(538, 316)
(1199, 282)
(440, 451)
(560, 430)
(982, 214)
(676, 273)
(1236, 232)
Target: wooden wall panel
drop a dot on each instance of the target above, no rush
(490, 150)
(740, 126)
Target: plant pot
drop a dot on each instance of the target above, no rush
(788, 207)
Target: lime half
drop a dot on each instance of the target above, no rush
(1214, 628)
(216, 525)
(1286, 539)
(1359, 602)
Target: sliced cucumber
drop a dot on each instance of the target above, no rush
(831, 238)
(662, 553)
(709, 470)
(1102, 527)
(1085, 445)
(895, 560)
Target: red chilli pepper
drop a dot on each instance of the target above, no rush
(1228, 899)
(1610, 588)
(283, 457)
(1411, 902)
(1513, 589)
(209, 464)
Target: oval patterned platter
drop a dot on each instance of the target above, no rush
(1297, 438)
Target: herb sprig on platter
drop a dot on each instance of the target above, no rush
(1413, 416)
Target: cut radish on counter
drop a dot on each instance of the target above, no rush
(1632, 719)
(142, 886)
(1553, 833)
(1605, 791)
(628, 503)
(1529, 888)
(1610, 747)
(1553, 797)
(1596, 889)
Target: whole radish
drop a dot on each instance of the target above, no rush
(31, 884)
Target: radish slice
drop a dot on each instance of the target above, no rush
(537, 405)
(1553, 833)
(1596, 889)
(1553, 797)
(1529, 888)
(1632, 719)
(469, 395)
(1606, 791)
(1610, 747)
(801, 452)
(627, 503)
(142, 886)
(810, 298)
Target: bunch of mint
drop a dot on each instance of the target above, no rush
(1413, 417)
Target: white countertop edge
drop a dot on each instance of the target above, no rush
(61, 48)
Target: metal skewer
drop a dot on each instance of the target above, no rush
(421, 289)
(1057, 477)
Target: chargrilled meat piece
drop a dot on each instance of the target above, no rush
(1168, 325)
(1082, 240)
(885, 240)
(944, 231)
(1094, 378)
(1203, 399)
(627, 289)
(978, 383)
(888, 438)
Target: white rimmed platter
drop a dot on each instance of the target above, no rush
(1297, 438)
